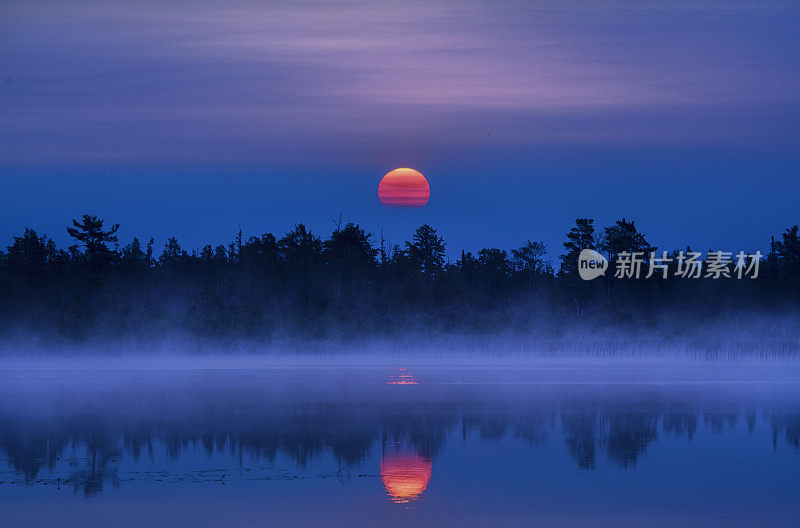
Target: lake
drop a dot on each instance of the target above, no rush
(248, 442)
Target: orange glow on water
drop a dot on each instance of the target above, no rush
(401, 376)
(404, 187)
(405, 474)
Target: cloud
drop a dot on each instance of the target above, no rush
(199, 80)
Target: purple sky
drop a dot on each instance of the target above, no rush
(193, 118)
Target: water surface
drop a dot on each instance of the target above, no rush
(525, 444)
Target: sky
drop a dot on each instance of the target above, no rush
(198, 118)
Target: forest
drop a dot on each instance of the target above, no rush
(351, 285)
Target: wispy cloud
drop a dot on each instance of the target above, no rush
(196, 80)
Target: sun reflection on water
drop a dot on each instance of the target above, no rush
(405, 473)
(401, 376)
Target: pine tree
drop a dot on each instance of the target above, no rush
(89, 232)
(426, 251)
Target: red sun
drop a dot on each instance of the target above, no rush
(404, 188)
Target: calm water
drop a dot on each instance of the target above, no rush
(545, 444)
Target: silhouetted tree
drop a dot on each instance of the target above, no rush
(624, 237)
(30, 253)
(351, 255)
(495, 270)
(580, 237)
(303, 250)
(787, 252)
(426, 251)
(134, 256)
(173, 255)
(530, 259)
(89, 232)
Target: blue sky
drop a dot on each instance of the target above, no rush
(196, 118)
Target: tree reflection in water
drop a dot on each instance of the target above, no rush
(91, 439)
(409, 442)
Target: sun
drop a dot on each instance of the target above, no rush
(404, 187)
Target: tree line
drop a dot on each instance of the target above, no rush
(350, 284)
